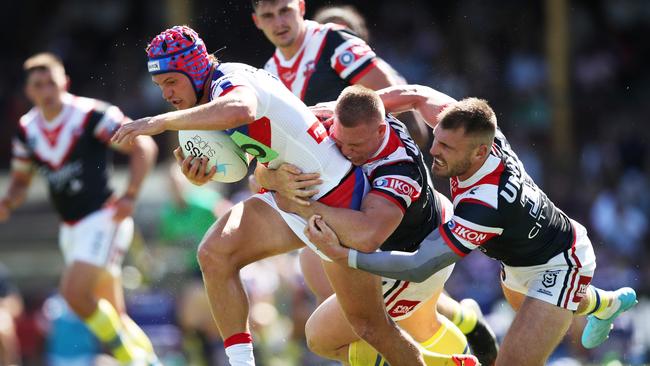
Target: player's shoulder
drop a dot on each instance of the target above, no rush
(28, 118)
(483, 187)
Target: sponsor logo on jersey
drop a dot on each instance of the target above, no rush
(317, 131)
(399, 186)
(468, 234)
(402, 307)
(545, 292)
(549, 278)
(346, 58)
(583, 285)
(153, 65)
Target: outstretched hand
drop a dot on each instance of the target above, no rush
(294, 185)
(143, 126)
(325, 239)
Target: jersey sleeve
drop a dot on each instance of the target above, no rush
(352, 57)
(472, 225)
(21, 154)
(228, 83)
(399, 183)
(111, 119)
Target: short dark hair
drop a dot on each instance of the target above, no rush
(346, 15)
(43, 61)
(473, 115)
(358, 105)
(256, 3)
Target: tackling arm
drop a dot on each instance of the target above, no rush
(432, 256)
(426, 101)
(16, 193)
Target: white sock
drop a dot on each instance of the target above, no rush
(241, 354)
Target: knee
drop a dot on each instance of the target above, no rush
(366, 328)
(216, 256)
(75, 294)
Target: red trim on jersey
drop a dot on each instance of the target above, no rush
(371, 65)
(260, 130)
(341, 195)
(448, 241)
(288, 74)
(491, 178)
(311, 72)
(226, 91)
(390, 198)
(239, 338)
(72, 144)
(394, 142)
(474, 200)
(401, 289)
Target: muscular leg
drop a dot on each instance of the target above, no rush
(250, 231)
(312, 269)
(536, 330)
(328, 332)
(360, 297)
(78, 287)
(423, 323)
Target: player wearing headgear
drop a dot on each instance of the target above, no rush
(269, 122)
(67, 139)
(547, 258)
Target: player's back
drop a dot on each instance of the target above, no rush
(285, 130)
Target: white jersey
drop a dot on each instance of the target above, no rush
(284, 130)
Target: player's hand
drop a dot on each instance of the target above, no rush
(292, 184)
(5, 211)
(143, 126)
(194, 169)
(325, 239)
(124, 207)
(288, 205)
(324, 111)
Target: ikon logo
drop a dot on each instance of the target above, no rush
(402, 307)
(472, 236)
(398, 185)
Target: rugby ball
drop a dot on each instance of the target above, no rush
(221, 151)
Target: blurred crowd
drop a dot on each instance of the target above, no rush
(462, 48)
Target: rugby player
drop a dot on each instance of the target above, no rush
(547, 258)
(400, 210)
(67, 138)
(258, 111)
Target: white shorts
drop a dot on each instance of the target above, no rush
(348, 194)
(97, 239)
(296, 223)
(563, 280)
(403, 298)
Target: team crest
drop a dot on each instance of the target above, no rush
(549, 278)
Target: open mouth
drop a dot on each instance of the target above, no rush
(439, 163)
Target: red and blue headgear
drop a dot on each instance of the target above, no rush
(180, 49)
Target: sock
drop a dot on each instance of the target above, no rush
(239, 349)
(465, 319)
(448, 339)
(136, 334)
(602, 304)
(105, 324)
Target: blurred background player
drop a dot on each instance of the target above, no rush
(256, 110)
(67, 138)
(389, 219)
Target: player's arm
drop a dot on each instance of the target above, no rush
(16, 193)
(288, 181)
(426, 101)
(233, 109)
(433, 255)
(364, 230)
(379, 75)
